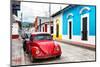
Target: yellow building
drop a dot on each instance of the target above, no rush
(57, 27)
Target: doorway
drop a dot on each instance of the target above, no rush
(57, 30)
(70, 30)
(84, 28)
(45, 27)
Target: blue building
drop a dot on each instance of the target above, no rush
(78, 23)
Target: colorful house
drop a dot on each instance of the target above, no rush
(57, 19)
(43, 24)
(76, 23)
(47, 27)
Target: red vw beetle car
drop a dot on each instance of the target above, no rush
(42, 46)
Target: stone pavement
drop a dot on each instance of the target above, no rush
(17, 52)
(69, 54)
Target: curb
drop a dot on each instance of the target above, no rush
(78, 44)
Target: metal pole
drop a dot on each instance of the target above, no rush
(49, 17)
(21, 18)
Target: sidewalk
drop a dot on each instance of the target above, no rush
(79, 44)
(17, 52)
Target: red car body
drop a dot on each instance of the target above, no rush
(42, 49)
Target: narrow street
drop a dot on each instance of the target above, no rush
(69, 54)
(72, 26)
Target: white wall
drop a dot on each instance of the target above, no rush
(15, 29)
(91, 39)
(48, 28)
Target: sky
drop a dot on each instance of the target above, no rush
(30, 10)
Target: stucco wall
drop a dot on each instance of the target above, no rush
(77, 20)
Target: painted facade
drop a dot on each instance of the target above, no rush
(78, 23)
(38, 22)
(43, 24)
(57, 27)
(47, 27)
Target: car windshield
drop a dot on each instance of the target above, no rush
(42, 37)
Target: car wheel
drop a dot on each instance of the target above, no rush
(31, 58)
(24, 46)
(26, 52)
(58, 56)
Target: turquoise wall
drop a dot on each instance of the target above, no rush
(75, 10)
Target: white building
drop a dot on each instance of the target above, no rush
(15, 27)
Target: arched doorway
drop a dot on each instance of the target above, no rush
(84, 23)
(84, 26)
(70, 26)
(57, 30)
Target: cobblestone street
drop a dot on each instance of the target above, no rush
(69, 54)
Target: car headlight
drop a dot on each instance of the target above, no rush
(37, 51)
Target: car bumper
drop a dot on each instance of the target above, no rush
(46, 57)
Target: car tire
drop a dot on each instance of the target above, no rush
(31, 58)
(58, 56)
(26, 52)
(24, 46)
